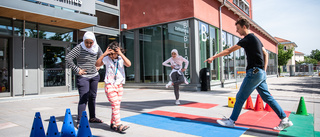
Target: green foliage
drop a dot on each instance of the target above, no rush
(284, 55)
(308, 60)
(315, 54)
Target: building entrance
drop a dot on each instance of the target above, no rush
(55, 75)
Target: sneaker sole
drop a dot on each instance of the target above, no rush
(222, 124)
(289, 125)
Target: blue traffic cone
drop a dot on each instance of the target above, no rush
(53, 128)
(84, 127)
(37, 127)
(68, 127)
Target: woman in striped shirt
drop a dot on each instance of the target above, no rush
(86, 54)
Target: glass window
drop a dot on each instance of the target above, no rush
(150, 54)
(213, 50)
(176, 36)
(54, 66)
(5, 26)
(228, 60)
(107, 20)
(30, 31)
(272, 64)
(128, 41)
(204, 43)
(56, 33)
(4, 65)
(112, 2)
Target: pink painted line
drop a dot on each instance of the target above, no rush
(185, 116)
(199, 105)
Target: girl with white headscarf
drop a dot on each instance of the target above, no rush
(176, 74)
(87, 75)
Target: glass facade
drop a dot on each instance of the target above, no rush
(214, 48)
(155, 45)
(4, 65)
(234, 63)
(176, 36)
(151, 54)
(5, 26)
(128, 41)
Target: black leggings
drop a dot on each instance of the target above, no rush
(87, 88)
(177, 79)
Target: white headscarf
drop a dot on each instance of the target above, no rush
(95, 47)
(175, 51)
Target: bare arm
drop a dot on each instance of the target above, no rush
(126, 61)
(266, 58)
(223, 53)
(99, 61)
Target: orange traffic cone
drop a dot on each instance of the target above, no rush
(259, 104)
(249, 104)
(268, 108)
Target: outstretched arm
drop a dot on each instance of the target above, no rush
(223, 53)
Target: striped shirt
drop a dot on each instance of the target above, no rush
(85, 60)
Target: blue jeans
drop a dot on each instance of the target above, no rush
(255, 81)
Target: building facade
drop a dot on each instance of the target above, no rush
(198, 29)
(36, 35)
(288, 45)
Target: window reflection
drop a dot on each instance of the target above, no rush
(56, 33)
(5, 26)
(30, 31)
(150, 57)
(53, 66)
(176, 36)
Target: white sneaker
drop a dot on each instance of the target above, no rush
(169, 84)
(284, 123)
(177, 102)
(226, 122)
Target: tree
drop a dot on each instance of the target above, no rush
(308, 60)
(284, 55)
(315, 54)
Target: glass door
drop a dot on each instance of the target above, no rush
(54, 66)
(4, 67)
(55, 76)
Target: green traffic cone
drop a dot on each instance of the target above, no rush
(302, 110)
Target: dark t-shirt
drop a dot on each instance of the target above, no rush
(253, 47)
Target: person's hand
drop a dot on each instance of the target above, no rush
(183, 69)
(98, 68)
(108, 51)
(118, 51)
(82, 72)
(172, 66)
(209, 60)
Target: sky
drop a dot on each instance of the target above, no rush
(295, 20)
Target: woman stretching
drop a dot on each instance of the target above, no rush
(176, 75)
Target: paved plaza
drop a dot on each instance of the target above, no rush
(152, 112)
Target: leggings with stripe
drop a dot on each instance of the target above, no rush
(114, 95)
